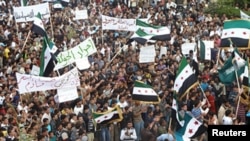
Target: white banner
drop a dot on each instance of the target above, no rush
(81, 14)
(83, 63)
(186, 47)
(163, 51)
(112, 23)
(147, 54)
(30, 83)
(67, 94)
(27, 13)
(84, 49)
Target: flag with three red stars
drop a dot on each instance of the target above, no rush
(185, 78)
(192, 127)
(147, 32)
(110, 116)
(238, 31)
(144, 93)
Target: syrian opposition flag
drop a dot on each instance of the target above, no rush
(245, 75)
(192, 127)
(110, 116)
(145, 93)
(46, 60)
(38, 26)
(185, 78)
(141, 37)
(236, 30)
(175, 112)
(159, 33)
(205, 51)
(234, 63)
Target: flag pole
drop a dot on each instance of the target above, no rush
(218, 57)
(25, 42)
(203, 93)
(239, 93)
(52, 31)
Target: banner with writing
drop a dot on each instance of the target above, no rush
(81, 14)
(243, 15)
(84, 49)
(27, 13)
(147, 54)
(67, 94)
(30, 83)
(112, 23)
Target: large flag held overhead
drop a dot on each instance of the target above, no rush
(234, 63)
(110, 116)
(185, 78)
(141, 37)
(38, 26)
(145, 30)
(46, 60)
(145, 93)
(238, 31)
(192, 127)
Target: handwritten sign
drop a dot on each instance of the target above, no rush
(67, 94)
(81, 14)
(30, 83)
(27, 13)
(147, 54)
(112, 23)
(80, 51)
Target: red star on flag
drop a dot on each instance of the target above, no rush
(238, 58)
(176, 85)
(45, 57)
(181, 77)
(225, 33)
(105, 116)
(146, 91)
(139, 91)
(244, 33)
(190, 131)
(196, 123)
(151, 31)
(186, 71)
(232, 32)
(157, 30)
(98, 121)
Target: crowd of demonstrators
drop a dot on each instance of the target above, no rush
(109, 82)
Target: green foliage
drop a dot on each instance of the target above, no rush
(228, 10)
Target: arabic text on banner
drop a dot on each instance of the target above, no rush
(67, 94)
(27, 13)
(111, 23)
(80, 51)
(30, 83)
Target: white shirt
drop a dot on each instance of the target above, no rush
(78, 110)
(131, 137)
(227, 120)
